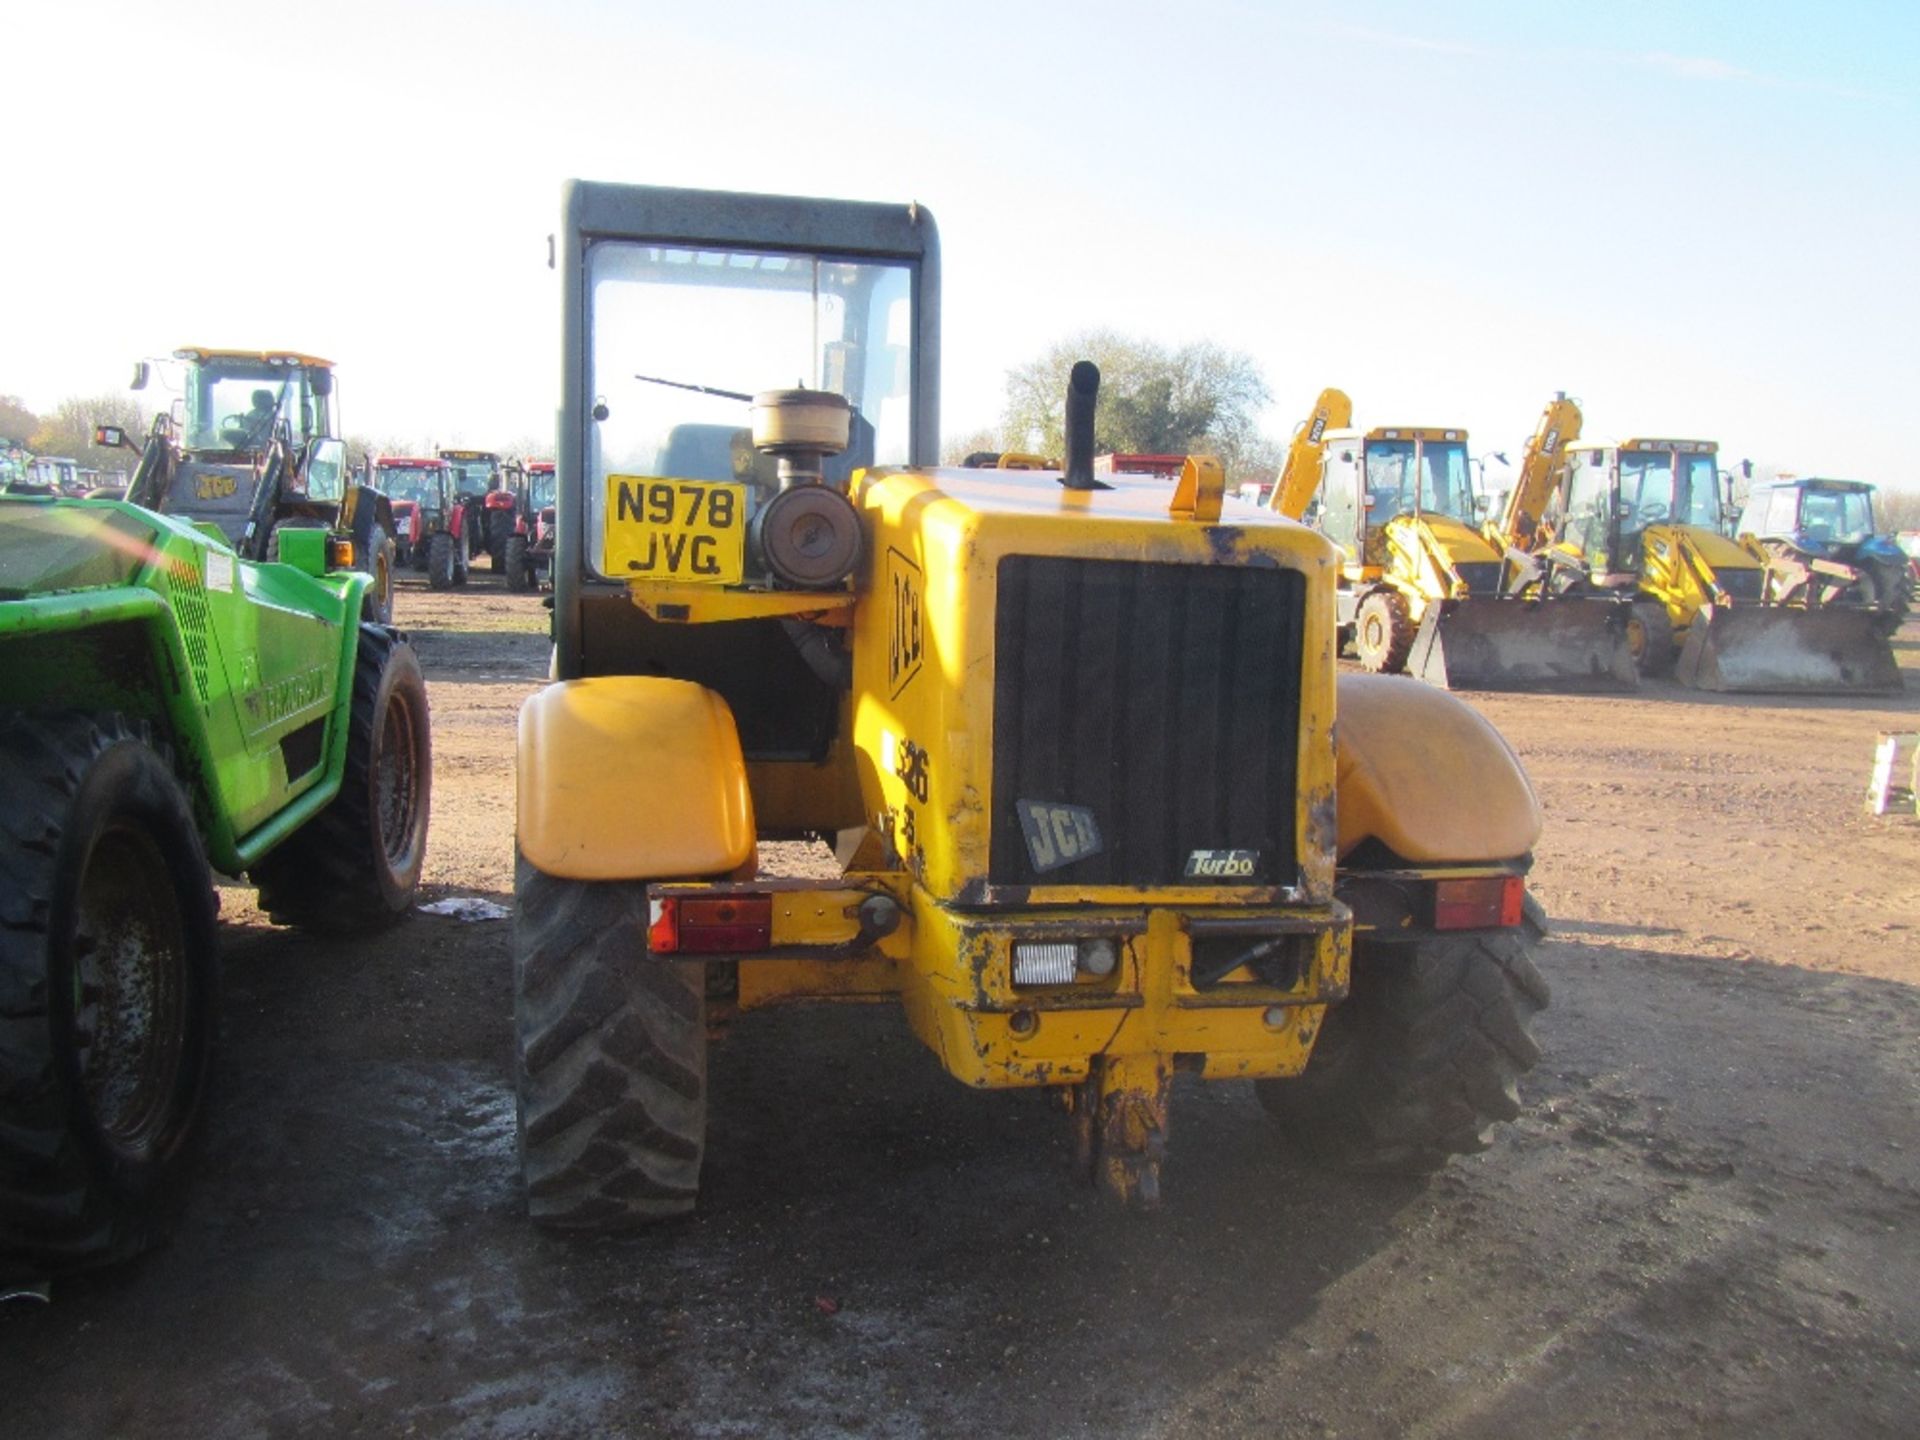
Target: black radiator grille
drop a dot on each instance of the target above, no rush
(1164, 699)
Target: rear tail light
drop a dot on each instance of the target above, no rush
(710, 925)
(339, 554)
(1482, 903)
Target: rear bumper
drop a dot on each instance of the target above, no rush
(960, 997)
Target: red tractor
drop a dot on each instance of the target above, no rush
(430, 513)
(529, 548)
(489, 482)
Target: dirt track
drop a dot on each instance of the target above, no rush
(1705, 1223)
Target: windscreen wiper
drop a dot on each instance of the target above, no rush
(700, 389)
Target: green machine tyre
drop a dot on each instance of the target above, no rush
(355, 866)
(107, 978)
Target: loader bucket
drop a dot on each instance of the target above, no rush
(1785, 649)
(1489, 643)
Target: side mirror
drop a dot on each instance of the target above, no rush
(142, 372)
(321, 381)
(327, 470)
(1746, 469)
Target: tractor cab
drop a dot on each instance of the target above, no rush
(485, 484)
(1814, 514)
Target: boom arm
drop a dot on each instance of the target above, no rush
(1301, 475)
(1540, 470)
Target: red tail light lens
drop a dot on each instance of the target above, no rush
(721, 925)
(1483, 903)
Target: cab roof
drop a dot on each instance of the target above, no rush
(1400, 432)
(1810, 482)
(1691, 447)
(203, 353)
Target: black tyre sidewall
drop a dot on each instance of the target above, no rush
(400, 679)
(129, 783)
(378, 604)
(440, 561)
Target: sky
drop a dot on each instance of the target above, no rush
(1699, 219)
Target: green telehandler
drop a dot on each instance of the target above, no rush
(172, 704)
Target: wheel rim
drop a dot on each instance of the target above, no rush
(129, 988)
(395, 781)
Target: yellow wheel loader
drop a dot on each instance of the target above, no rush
(1070, 740)
(1643, 517)
(1421, 588)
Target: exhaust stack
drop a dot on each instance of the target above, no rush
(1083, 392)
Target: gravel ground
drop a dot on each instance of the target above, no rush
(1704, 1224)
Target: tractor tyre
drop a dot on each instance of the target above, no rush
(354, 867)
(1650, 638)
(610, 1057)
(440, 562)
(1383, 632)
(497, 557)
(519, 573)
(107, 984)
(1424, 1055)
(376, 606)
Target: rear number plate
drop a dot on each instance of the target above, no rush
(686, 530)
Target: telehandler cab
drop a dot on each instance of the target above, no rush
(1071, 739)
(1421, 587)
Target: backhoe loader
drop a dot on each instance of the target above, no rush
(1070, 737)
(1642, 517)
(1421, 589)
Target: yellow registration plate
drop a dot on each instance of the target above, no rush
(688, 530)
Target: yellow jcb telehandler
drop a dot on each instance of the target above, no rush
(1421, 588)
(1071, 739)
(1643, 517)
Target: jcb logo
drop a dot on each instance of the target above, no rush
(1057, 835)
(907, 642)
(1222, 864)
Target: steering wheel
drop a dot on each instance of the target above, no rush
(1653, 512)
(237, 431)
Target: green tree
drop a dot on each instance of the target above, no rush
(1200, 398)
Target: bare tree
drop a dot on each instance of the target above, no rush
(68, 429)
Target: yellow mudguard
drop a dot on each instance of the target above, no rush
(632, 777)
(1425, 775)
